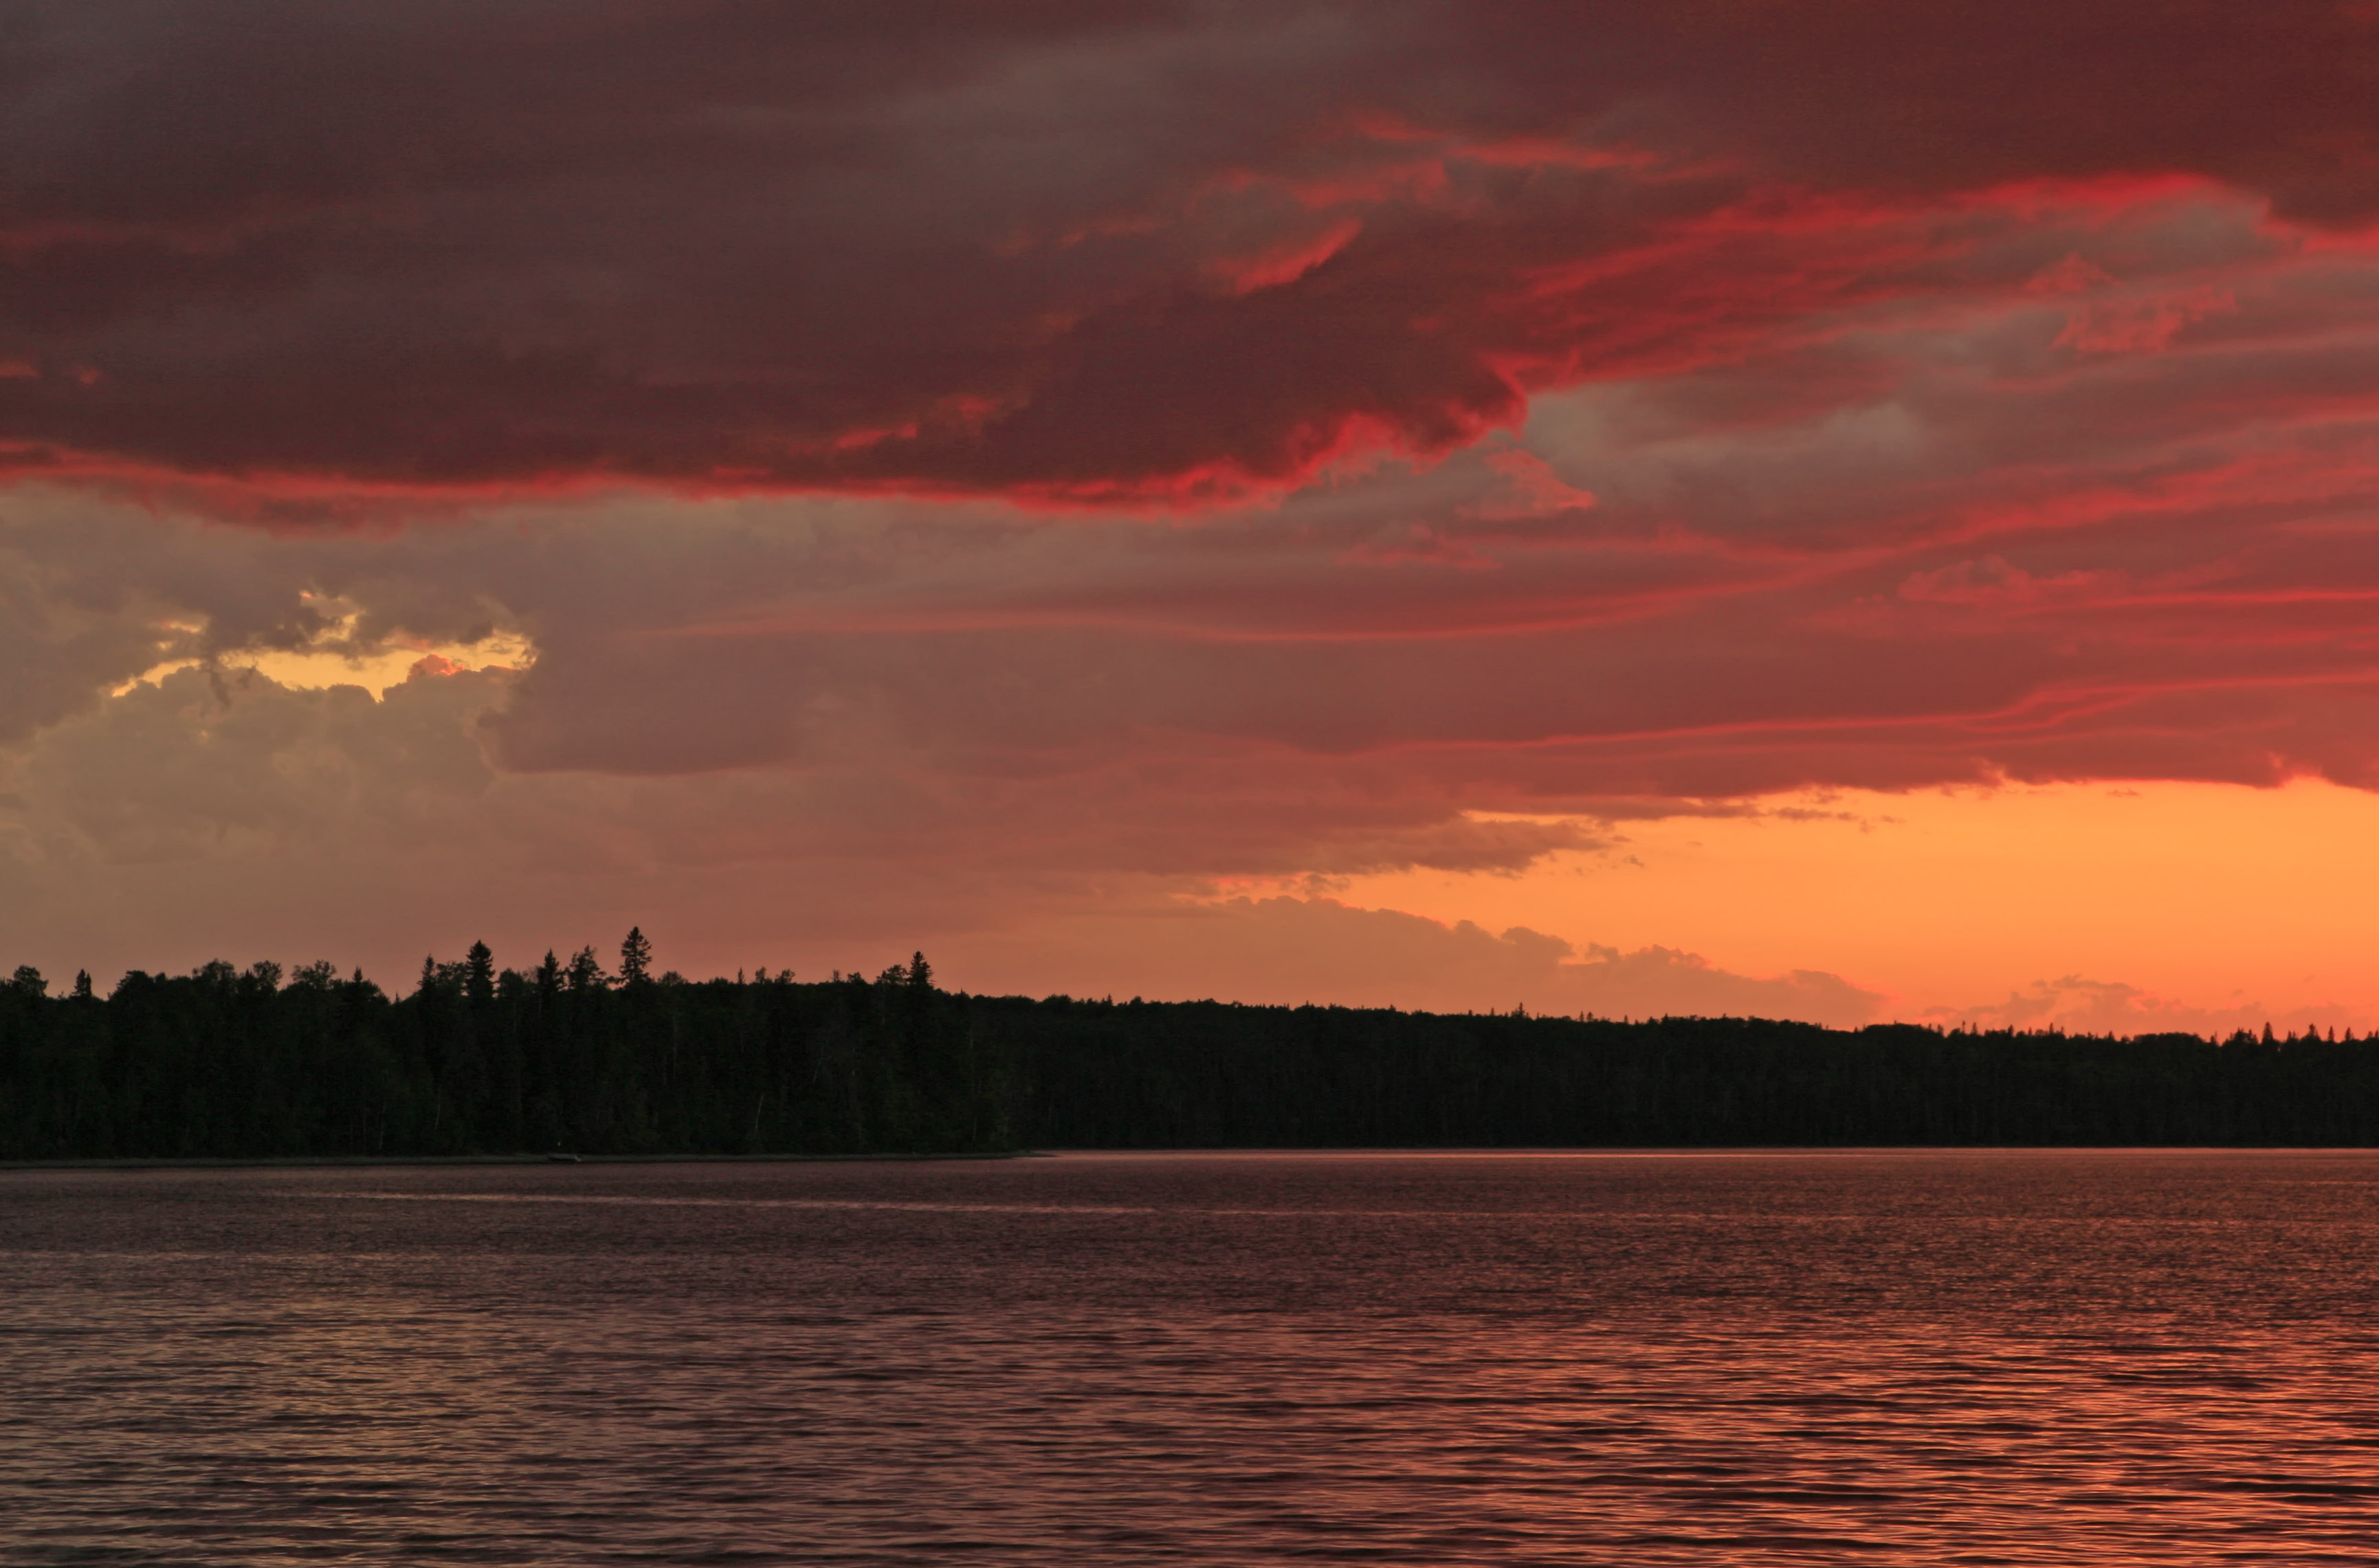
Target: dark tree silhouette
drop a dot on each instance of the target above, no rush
(636, 957)
(230, 1063)
(587, 971)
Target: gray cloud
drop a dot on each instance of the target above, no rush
(1287, 950)
(2081, 1006)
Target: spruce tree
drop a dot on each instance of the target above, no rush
(479, 975)
(587, 971)
(635, 954)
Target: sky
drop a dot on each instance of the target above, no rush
(1841, 511)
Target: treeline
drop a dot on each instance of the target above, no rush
(1205, 1074)
(565, 1056)
(229, 1064)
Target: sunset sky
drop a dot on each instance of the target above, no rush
(1843, 510)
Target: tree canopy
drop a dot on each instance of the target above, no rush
(233, 1063)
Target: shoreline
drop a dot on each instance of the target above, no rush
(361, 1161)
(1674, 1151)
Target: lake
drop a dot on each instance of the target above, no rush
(1711, 1357)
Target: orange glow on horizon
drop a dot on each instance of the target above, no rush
(2209, 896)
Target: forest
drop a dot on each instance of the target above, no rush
(568, 1058)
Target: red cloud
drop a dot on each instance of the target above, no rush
(1084, 252)
(1895, 404)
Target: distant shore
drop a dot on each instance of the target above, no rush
(219, 1066)
(320, 1162)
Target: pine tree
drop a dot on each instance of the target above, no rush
(479, 976)
(920, 974)
(635, 954)
(587, 971)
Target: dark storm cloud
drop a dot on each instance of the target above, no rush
(1092, 251)
(1561, 413)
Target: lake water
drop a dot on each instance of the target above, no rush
(1928, 1358)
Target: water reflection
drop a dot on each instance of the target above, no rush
(2014, 1358)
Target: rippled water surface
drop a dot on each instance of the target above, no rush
(1717, 1359)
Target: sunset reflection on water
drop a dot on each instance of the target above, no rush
(2118, 1357)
